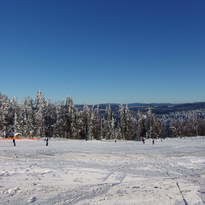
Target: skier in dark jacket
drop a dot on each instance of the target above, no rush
(46, 139)
(152, 141)
(14, 141)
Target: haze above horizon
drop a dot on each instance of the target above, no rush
(104, 51)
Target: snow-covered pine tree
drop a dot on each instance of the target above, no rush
(40, 108)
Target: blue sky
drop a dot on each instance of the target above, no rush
(103, 51)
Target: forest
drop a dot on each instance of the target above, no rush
(41, 117)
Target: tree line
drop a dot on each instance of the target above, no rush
(43, 118)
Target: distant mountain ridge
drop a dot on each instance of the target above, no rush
(158, 108)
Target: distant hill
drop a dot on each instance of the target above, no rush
(158, 108)
(151, 104)
(163, 108)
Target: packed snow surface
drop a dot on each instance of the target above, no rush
(69, 172)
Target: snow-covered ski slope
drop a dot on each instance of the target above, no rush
(103, 172)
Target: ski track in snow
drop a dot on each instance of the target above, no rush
(72, 172)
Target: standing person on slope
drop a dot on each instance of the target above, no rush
(13, 137)
(14, 141)
(46, 139)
